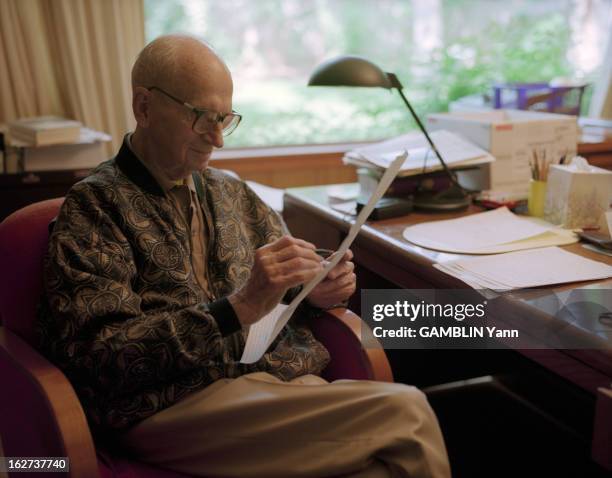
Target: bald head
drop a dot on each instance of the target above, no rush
(189, 79)
(177, 63)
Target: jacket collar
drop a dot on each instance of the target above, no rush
(136, 172)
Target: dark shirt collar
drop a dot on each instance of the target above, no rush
(139, 174)
(136, 171)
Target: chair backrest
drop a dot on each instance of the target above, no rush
(23, 242)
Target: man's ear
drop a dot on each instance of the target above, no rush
(141, 106)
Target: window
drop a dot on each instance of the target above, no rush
(441, 50)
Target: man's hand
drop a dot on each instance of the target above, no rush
(279, 266)
(337, 287)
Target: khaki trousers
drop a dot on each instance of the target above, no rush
(259, 426)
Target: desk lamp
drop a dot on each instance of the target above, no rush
(352, 70)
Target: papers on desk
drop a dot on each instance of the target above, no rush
(529, 261)
(489, 232)
(455, 151)
(525, 269)
(263, 332)
(273, 197)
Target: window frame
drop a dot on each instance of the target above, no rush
(289, 166)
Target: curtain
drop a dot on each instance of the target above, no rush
(70, 58)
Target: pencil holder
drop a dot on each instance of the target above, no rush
(537, 198)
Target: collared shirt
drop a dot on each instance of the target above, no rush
(185, 199)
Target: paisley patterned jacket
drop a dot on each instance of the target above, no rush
(122, 313)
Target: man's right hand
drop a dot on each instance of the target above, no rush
(278, 266)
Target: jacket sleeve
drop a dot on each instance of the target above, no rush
(94, 326)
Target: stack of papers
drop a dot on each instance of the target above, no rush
(456, 152)
(525, 269)
(489, 232)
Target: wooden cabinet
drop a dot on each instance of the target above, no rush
(19, 190)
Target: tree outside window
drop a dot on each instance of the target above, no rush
(442, 50)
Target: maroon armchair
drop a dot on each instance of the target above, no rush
(40, 414)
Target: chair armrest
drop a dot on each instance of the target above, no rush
(340, 331)
(40, 414)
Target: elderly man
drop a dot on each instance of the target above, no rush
(157, 265)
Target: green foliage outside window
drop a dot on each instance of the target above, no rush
(292, 36)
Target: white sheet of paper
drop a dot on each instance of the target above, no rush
(348, 207)
(524, 269)
(453, 148)
(343, 193)
(263, 332)
(498, 230)
(273, 197)
(469, 278)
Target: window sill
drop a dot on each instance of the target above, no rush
(289, 166)
(284, 151)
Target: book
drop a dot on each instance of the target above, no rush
(456, 152)
(45, 130)
(64, 156)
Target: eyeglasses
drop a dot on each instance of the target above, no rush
(206, 119)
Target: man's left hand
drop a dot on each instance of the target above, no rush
(337, 287)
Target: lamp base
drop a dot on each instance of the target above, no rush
(451, 199)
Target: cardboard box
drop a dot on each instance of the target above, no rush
(511, 136)
(578, 195)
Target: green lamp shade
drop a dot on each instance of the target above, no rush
(349, 71)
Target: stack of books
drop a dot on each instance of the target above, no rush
(86, 152)
(44, 130)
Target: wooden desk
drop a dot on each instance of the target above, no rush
(385, 260)
(20, 189)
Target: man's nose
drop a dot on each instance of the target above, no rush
(214, 135)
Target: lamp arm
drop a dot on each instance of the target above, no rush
(395, 83)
